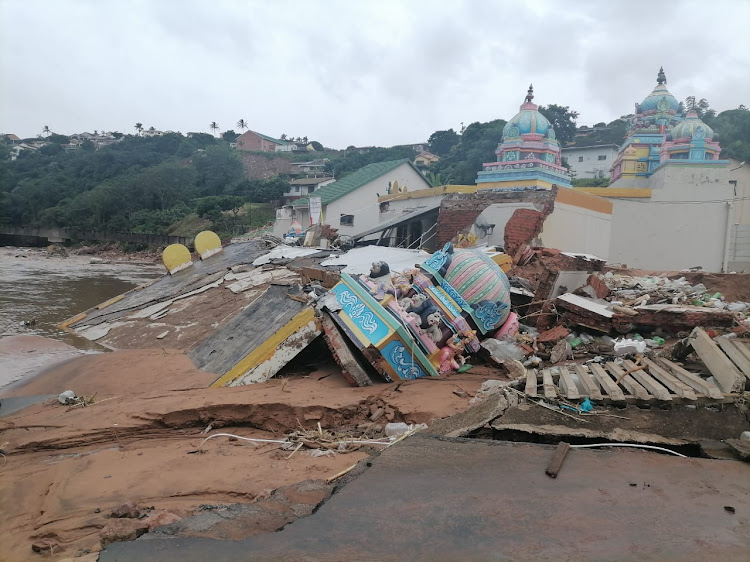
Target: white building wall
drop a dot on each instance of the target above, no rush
(363, 203)
(684, 224)
(499, 214)
(585, 163)
(575, 229)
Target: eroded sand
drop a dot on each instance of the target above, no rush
(135, 442)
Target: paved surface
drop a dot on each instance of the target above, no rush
(435, 499)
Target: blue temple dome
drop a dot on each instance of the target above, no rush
(528, 120)
(692, 127)
(660, 99)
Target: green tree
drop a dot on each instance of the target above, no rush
(229, 136)
(138, 128)
(317, 146)
(563, 120)
(477, 146)
(440, 142)
(214, 127)
(218, 168)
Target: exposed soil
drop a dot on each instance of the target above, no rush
(67, 468)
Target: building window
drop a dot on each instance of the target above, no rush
(602, 157)
(347, 220)
(580, 158)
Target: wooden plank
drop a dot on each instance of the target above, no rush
(678, 387)
(568, 385)
(531, 382)
(607, 383)
(336, 341)
(723, 370)
(549, 387)
(555, 463)
(744, 349)
(735, 354)
(628, 382)
(648, 382)
(692, 380)
(592, 388)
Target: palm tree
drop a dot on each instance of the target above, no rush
(139, 128)
(283, 136)
(242, 125)
(46, 131)
(214, 127)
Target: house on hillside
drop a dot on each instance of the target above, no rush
(316, 166)
(11, 138)
(424, 159)
(351, 204)
(251, 141)
(590, 161)
(302, 187)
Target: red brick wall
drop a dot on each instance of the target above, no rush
(522, 227)
(251, 142)
(459, 211)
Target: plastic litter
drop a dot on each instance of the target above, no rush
(628, 347)
(502, 350)
(586, 406)
(67, 397)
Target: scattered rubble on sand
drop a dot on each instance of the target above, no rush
(262, 365)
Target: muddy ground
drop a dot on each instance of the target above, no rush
(66, 468)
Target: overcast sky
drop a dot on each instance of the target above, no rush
(347, 72)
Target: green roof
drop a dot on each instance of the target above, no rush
(344, 186)
(277, 141)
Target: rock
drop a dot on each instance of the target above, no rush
(127, 510)
(161, 517)
(745, 436)
(118, 530)
(46, 546)
(377, 415)
(390, 415)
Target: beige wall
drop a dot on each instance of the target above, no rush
(669, 231)
(741, 174)
(575, 229)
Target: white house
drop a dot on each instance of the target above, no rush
(351, 204)
(590, 161)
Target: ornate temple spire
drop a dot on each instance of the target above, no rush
(661, 78)
(530, 93)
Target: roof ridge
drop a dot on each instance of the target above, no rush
(353, 181)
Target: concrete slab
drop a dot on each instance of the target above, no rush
(428, 498)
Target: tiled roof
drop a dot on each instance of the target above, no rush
(332, 191)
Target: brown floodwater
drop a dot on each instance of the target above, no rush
(38, 291)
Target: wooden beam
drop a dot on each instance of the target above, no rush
(531, 382)
(568, 385)
(723, 370)
(607, 383)
(735, 354)
(549, 387)
(678, 387)
(589, 384)
(628, 382)
(647, 382)
(556, 462)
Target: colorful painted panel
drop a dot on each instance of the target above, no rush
(372, 326)
(403, 363)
